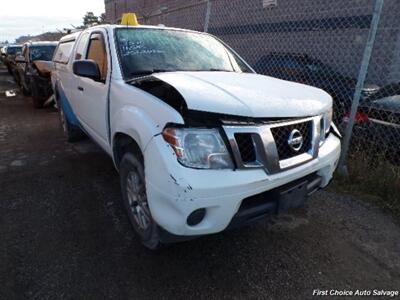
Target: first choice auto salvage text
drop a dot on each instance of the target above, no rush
(346, 293)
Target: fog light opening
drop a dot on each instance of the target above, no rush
(196, 217)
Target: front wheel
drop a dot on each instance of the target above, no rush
(134, 197)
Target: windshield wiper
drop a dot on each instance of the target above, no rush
(152, 71)
(149, 72)
(219, 70)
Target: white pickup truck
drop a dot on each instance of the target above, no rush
(200, 141)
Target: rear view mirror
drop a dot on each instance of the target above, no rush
(19, 59)
(87, 68)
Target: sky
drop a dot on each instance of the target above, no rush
(23, 17)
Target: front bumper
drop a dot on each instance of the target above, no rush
(174, 191)
(42, 87)
(276, 201)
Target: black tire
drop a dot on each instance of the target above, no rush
(37, 100)
(133, 187)
(71, 132)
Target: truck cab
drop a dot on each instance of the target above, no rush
(201, 142)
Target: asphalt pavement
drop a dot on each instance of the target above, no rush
(65, 235)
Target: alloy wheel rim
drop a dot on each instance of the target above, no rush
(137, 200)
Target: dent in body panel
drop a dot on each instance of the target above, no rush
(192, 117)
(44, 68)
(163, 91)
(138, 114)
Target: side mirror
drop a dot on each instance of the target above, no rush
(19, 59)
(87, 68)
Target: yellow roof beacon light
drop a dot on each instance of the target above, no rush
(129, 19)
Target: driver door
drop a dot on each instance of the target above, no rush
(92, 96)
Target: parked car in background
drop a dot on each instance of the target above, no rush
(308, 70)
(377, 123)
(2, 53)
(200, 141)
(32, 71)
(10, 52)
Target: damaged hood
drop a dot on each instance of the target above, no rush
(44, 67)
(249, 95)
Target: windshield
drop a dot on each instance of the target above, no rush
(144, 51)
(13, 50)
(41, 52)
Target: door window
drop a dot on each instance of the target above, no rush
(97, 52)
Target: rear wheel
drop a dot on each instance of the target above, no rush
(134, 197)
(72, 133)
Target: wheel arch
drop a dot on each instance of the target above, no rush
(131, 126)
(123, 143)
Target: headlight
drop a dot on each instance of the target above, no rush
(199, 148)
(327, 121)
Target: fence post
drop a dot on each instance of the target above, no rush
(207, 18)
(360, 83)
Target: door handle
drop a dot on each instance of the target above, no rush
(81, 88)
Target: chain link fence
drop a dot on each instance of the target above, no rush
(349, 48)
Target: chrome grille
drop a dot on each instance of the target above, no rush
(267, 145)
(281, 136)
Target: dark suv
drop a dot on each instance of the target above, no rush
(35, 80)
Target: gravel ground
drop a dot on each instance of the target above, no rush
(64, 234)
